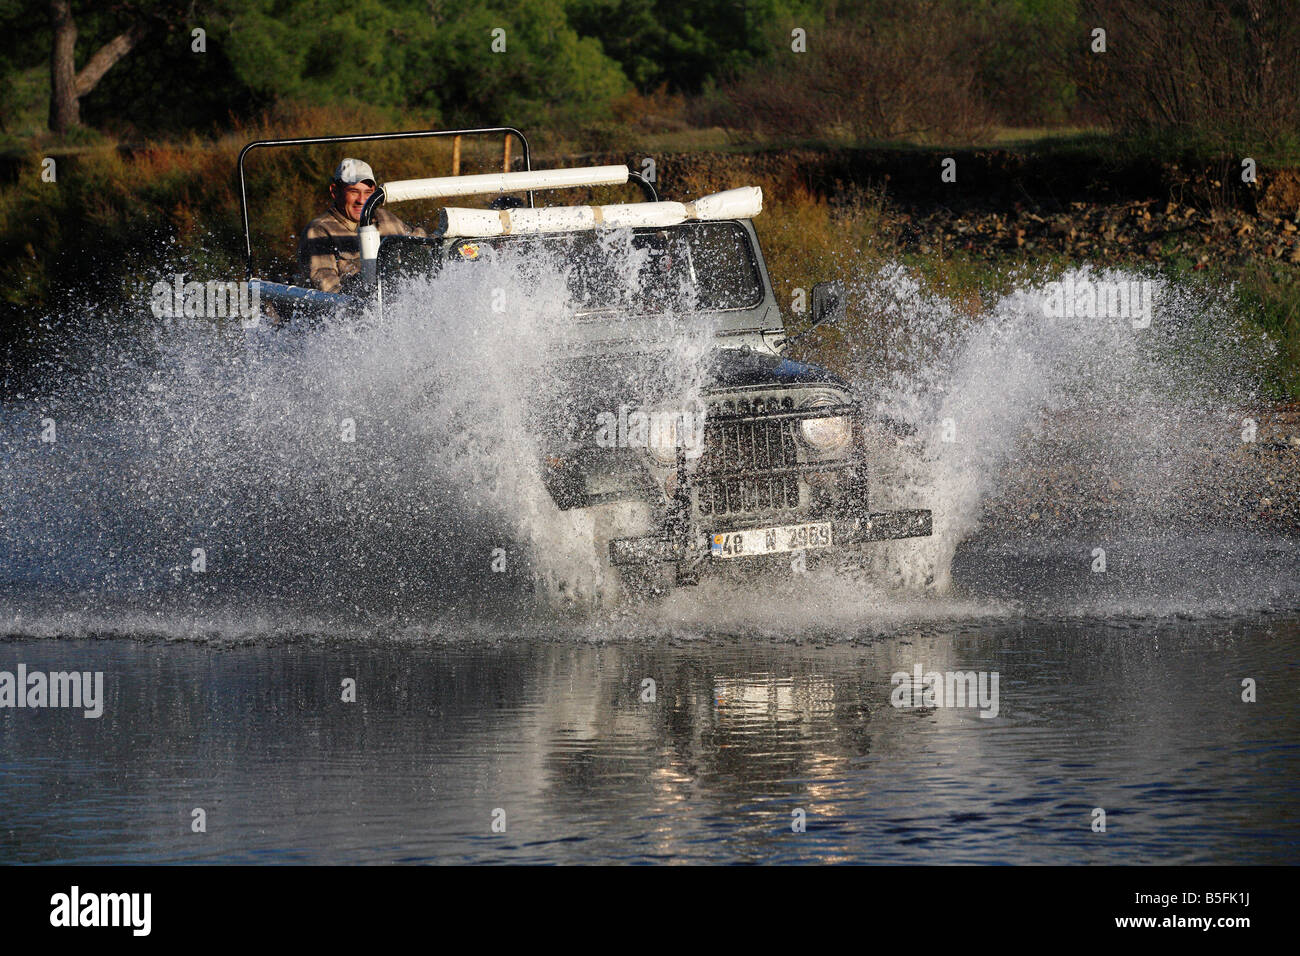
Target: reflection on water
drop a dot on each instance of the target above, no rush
(1144, 720)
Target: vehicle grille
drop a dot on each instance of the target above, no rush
(748, 466)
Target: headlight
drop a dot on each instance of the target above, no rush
(662, 442)
(674, 429)
(826, 434)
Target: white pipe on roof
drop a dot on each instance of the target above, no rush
(443, 186)
(643, 214)
(743, 203)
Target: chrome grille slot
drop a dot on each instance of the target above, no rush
(748, 466)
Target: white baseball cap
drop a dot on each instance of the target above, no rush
(354, 171)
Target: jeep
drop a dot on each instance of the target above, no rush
(762, 456)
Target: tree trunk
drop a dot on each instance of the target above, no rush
(67, 86)
(65, 107)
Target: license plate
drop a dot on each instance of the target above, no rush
(759, 541)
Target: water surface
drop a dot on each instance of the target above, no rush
(1142, 719)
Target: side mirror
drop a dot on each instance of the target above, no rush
(828, 303)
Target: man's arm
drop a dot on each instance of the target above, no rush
(316, 259)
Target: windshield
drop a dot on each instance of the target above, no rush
(694, 267)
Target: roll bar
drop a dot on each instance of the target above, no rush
(360, 138)
(443, 187)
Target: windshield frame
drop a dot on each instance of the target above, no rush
(445, 245)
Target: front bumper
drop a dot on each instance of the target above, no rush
(845, 533)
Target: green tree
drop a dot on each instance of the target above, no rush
(685, 44)
(434, 56)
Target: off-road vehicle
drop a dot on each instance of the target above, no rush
(759, 456)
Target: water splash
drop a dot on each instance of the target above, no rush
(433, 515)
(388, 463)
(1031, 426)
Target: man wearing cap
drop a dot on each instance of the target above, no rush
(329, 251)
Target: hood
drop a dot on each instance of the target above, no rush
(744, 368)
(648, 376)
(578, 390)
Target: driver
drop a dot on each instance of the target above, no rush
(329, 252)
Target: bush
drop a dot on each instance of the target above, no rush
(1224, 71)
(898, 68)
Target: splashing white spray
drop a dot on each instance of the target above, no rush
(378, 466)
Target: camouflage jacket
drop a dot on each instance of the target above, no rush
(329, 250)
